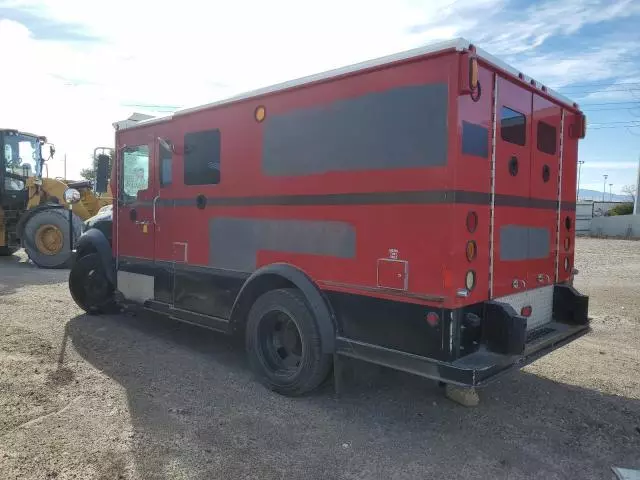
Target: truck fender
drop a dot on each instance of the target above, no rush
(283, 275)
(26, 216)
(94, 240)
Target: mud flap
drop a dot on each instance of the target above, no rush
(503, 330)
(570, 306)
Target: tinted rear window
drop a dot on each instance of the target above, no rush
(513, 126)
(547, 138)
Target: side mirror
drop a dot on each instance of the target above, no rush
(102, 173)
(71, 196)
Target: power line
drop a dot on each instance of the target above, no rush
(614, 109)
(589, 85)
(602, 127)
(601, 90)
(609, 103)
(611, 123)
(609, 87)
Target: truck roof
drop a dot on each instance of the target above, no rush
(458, 44)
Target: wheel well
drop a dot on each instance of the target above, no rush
(85, 250)
(250, 294)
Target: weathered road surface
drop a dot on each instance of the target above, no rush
(124, 397)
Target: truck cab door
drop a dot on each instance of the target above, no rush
(135, 228)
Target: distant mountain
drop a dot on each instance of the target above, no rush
(596, 196)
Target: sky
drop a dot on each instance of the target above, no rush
(75, 67)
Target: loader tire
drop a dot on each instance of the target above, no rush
(46, 238)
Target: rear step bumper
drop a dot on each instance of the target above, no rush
(473, 370)
(511, 346)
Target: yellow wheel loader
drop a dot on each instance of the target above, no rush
(33, 211)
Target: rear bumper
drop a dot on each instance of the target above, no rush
(506, 344)
(473, 370)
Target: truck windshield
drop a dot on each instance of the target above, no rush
(21, 154)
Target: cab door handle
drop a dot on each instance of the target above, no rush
(155, 199)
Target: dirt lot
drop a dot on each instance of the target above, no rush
(125, 397)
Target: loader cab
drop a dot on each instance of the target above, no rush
(20, 155)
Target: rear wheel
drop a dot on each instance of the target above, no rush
(89, 286)
(46, 238)
(284, 343)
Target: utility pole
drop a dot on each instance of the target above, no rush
(65, 166)
(604, 189)
(610, 194)
(580, 162)
(636, 205)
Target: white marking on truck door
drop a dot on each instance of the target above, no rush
(559, 213)
(492, 210)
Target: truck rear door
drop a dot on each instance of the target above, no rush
(512, 232)
(545, 166)
(527, 165)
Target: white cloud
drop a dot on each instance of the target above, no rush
(196, 52)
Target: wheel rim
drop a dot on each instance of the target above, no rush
(280, 343)
(49, 239)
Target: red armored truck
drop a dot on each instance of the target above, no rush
(416, 211)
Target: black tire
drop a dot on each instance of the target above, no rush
(58, 218)
(89, 286)
(304, 366)
(7, 251)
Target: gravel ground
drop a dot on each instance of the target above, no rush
(123, 397)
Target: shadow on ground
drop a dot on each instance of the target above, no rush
(196, 409)
(16, 272)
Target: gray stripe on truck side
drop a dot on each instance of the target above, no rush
(234, 242)
(518, 242)
(404, 127)
(420, 197)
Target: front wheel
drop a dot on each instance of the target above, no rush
(284, 344)
(89, 286)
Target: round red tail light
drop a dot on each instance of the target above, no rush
(472, 221)
(526, 311)
(432, 319)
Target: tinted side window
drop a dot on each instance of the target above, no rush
(513, 126)
(202, 158)
(475, 140)
(547, 138)
(165, 166)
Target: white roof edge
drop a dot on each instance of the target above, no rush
(458, 44)
(508, 68)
